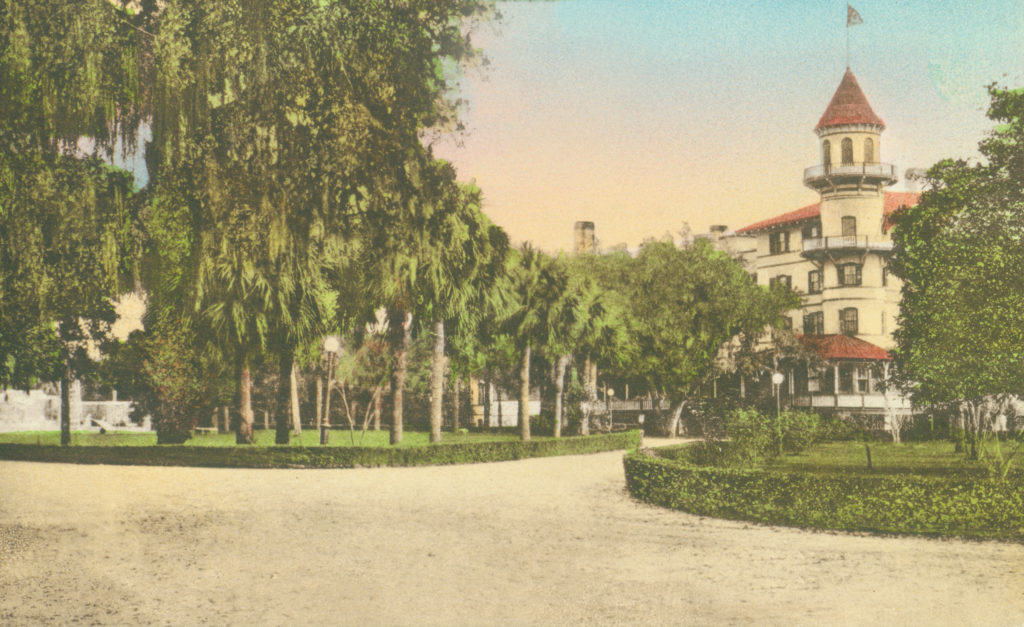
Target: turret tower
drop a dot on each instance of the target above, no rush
(852, 247)
(850, 177)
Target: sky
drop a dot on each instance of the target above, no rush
(645, 116)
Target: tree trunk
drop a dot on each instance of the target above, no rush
(456, 385)
(497, 391)
(283, 404)
(524, 396)
(246, 419)
(296, 409)
(226, 413)
(437, 383)
(673, 421)
(487, 399)
(377, 409)
(563, 363)
(65, 403)
(401, 331)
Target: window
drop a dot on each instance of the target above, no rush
(869, 151)
(849, 273)
(814, 323)
(861, 375)
(885, 276)
(849, 226)
(814, 282)
(786, 323)
(778, 242)
(811, 231)
(847, 150)
(848, 321)
(846, 378)
(783, 279)
(826, 153)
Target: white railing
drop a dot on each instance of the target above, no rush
(840, 242)
(853, 401)
(868, 170)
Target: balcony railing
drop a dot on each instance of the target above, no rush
(844, 242)
(883, 172)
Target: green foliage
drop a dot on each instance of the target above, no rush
(889, 503)
(163, 371)
(960, 254)
(750, 436)
(800, 429)
(322, 457)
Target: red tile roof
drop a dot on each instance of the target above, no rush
(848, 106)
(892, 202)
(843, 347)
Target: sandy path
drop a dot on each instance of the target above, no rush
(543, 541)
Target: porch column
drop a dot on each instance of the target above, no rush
(835, 379)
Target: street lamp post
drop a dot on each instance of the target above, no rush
(331, 348)
(777, 379)
(608, 396)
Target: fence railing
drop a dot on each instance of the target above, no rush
(839, 242)
(871, 170)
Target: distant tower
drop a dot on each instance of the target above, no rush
(851, 248)
(583, 237)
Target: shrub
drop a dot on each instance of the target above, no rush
(799, 429)
(834, 429)
(749, 432)
(322, 457)
(894, 503)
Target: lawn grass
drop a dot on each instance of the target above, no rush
(308, 438)
(935, 457)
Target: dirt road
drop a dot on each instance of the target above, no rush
(543, 541)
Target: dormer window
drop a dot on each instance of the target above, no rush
(847, 151)
(869, 151)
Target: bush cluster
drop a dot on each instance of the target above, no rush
(325, 457)
(754, 435)
(894, 503)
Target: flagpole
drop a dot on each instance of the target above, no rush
(847, 44)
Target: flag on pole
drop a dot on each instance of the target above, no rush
(852, 17)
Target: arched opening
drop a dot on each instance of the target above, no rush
(847, 150)
(869, 151)
(826, 153)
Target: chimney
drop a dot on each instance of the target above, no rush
(583, 237)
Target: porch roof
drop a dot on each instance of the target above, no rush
(838, 346)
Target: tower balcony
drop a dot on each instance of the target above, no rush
(825, 177)
(816, 247)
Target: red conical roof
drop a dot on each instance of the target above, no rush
(848, 106)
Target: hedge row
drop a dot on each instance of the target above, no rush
(891, 503)
(316, 457)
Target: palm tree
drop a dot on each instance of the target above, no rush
(542, 305)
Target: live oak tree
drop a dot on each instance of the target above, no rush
(960, 254)
(65, 216)
(684, 302)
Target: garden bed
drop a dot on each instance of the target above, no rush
(241, 456)
(893, 501)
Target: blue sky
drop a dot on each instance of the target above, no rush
(642, 116)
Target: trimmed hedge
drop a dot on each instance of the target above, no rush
(889, 503)
(316, 457)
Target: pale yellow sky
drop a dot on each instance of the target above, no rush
(643, 116)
